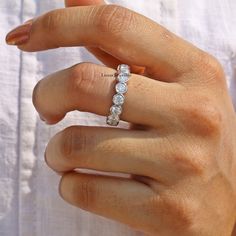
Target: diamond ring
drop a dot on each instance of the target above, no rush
(122, 77)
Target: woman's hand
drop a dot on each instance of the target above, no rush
(181, 160)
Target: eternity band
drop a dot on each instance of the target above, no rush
(122, 77)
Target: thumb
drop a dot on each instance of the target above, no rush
(72, 3)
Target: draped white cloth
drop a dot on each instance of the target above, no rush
(29, 200)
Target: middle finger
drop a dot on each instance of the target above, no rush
(112, 150)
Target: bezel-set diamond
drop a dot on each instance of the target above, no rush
(122, 77)
(112, 120)
(121, 88)
(116, 110)
(118, 99)
(123, 68)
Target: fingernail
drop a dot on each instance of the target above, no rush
(20, 34)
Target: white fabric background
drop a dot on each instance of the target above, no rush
(29, 201)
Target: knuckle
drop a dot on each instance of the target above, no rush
(72, 140)
(82, 78)
(88, 193)
(183, 213)
(66, 140)
(83, 190)
(189, 163)
(197, 160)
(50, 21)
(115, 19)
(181, 210)
(202, 116)
(210, 68)
(191, 157)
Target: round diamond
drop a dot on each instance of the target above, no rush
(123, 69)
(118, 99)
(123, 77)
(112, 120)
(116, 110)
(121, 88)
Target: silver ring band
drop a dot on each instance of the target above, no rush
(122, 77)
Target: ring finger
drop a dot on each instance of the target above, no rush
(89, 87)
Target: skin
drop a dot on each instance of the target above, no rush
(180, 150)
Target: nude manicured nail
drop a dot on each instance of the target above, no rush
(20, 34)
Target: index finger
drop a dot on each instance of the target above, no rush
(126, 35)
